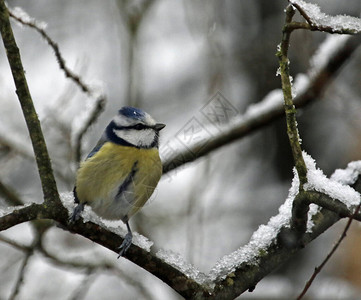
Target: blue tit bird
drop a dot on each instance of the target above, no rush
(123, 169)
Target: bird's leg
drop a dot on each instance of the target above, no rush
(76, 213)
(126, 242)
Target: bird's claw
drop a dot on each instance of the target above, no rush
(75, 216)
(125, 245)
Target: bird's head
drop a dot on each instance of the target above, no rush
(133, 127)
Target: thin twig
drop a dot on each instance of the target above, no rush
(303, 13)
(20, 280)
(101, 265)
(82, 288)
(15, 244)
(133, 19)
(9, 195)
(290, 109)
(100, 99)
(334, 248)
(331, 204)
(61, 61)
(91, 119)
(298, 25)
(11, 145)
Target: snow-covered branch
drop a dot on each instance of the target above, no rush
(274, 243)
(319, 21)
(308, 88)
(324, 200)
(270, 245)
(290, 109)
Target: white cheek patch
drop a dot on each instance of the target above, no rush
(141, 138)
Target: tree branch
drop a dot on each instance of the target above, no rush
(264, 113)
(282, 248)
(147, 260)
(319, 21)
(290, 109)
(32, 121)
(245, 275)
(333, 205)
(300, 206)
(329, 255)
(23, 214)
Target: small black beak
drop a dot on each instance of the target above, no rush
(159, 126)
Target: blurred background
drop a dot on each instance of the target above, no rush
(171, 58)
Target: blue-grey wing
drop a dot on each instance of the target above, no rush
(97, 147)
(127, 181)
(79, 208)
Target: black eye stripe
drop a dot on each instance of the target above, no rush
(138, 126)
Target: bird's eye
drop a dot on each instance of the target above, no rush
(139, 126)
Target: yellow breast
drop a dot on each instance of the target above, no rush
(100, 177)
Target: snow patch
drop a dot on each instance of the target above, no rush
(266, 234)
(260, 240)
(317, 181)
(8, 210)
(177, 261)
(349, 175)
(21, 14)
(116, 227)
(337, 23)
(330, 46)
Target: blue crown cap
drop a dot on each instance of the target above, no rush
(131, 112)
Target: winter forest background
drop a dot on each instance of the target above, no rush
(176, 60)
